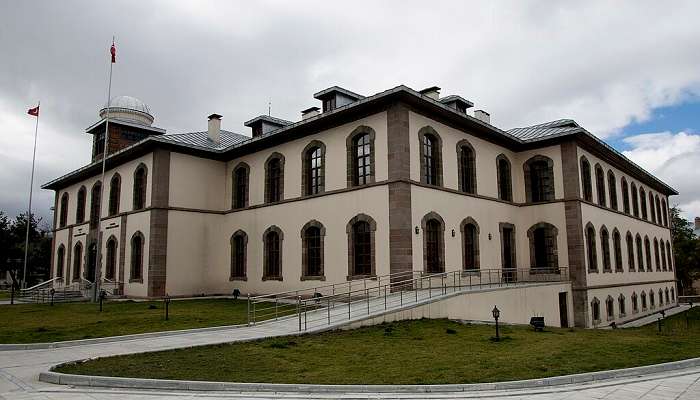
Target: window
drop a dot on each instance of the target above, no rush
(313, 164)
(240, 186)
(272, 257)
(630, 252)
(643, 202)
(651, 207)
(600, 185)
(644, 301)
(539, 179)
(591, 249)
(329, 104)
(505, 187)
(610, 308)
(433, 243)
(467, 167)
(664, 212)
(625, 196)
(360, 245)
(114, 192)
(239, 244)
(312, 250)
(80, 207)
(470, 244)
(360, 156)
(640, 254)
(140, 187)
(663, 255)
(647, 252)
(635, 201)
(586, 179)
(508, 255)
(667, 298)
(651, 299)
(595, 310)
(657, 260)
(673, 295)
(77, 260)
(431, 164)
(605, 244)
(612, 188)
(658, 211)
(136, 258)
(111, 264)
(543, 248)
(60, 260)
(621, 305)
(63, 216)
(274, 178)
(669, 256)
(661, 297)
(635, 303)
(95, 204)
(617, 249)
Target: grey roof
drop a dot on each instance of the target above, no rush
(276, 121)
(340, 90)
(545, 130)
(458, 99)
(201, 139)
(127, 123)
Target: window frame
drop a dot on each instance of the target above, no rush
(350, 229)
(504, 179)
(115, 185)
(240, 190)
(539, 182)
(313, 184)
(468, 227)
(433, 228)
(271, 255)
(306, 255)
(140, 187)
(430, 164)
(274, 178)
(466, 167)
(352, 164)
(238, 270)
(136, 257)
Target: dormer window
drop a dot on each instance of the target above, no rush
(264, 124)
(257, 130)
(329, 104)
(336, 97)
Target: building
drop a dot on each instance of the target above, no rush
(364, 186)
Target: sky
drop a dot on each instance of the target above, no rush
(629, 72)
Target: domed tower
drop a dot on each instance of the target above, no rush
(130, 120)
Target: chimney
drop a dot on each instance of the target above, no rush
(214, 128)
(310, 112)
(433, 92)
(697, 222)
(482, 116)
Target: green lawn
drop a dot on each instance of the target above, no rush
(32, 323)
(413, 352)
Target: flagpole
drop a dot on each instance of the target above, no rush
(98, 265)
(29, 210)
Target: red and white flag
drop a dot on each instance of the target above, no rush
(113, 52)
(34, 111)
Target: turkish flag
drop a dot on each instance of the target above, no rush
(34, 111)
(113, 52)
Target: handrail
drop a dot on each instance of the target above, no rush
(39, 285)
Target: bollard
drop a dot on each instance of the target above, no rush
(248, 309)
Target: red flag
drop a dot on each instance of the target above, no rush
(113, 52)
(34, 111)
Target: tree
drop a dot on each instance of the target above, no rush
(12, 243)
(686, 251)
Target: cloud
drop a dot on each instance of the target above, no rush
(674, 158)
(524, 62)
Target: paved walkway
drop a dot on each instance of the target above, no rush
(19, 369)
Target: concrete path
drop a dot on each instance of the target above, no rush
(653, 318)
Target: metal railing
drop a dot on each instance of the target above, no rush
(324, 305)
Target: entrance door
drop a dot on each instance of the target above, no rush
(508, 256)
(563, 311)
(92, 263)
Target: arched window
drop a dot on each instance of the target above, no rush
(433, 243)
(361, 259)
(430, 153)
(63, 216)
(657, 260)
(360, 156)
(647, 252)
(312, 235)
(111, 262)
(630, 252)
(505, 186)
(610, 308)
(313, 167)
(508, 251)
(539, 179)
(586, 179)
(114, 192)
(95, 204)
(274, 178)
(640, 254)
(651, 207)
(635, 303)
(543, 248)
(644, 301)
(673, 295)
(470, 244)
(136, 258)
(60, 261)
(664, 211)
(617, 249)
(668, 300)
(239, 186)
(643, 202)
(625, 196)
(80, 207)
(140, 177)
(239, 245)
(663, 255)
(605, 246)
(77, 260)
(661, 297)
(612, 188)
(652, 300)
(467, 167)
(591, 249)
(272, 239)
(600, 185)
(621, 305)
(595, 310)
(658, 210)
(635, 200)
(669, 256)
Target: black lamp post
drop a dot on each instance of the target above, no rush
(52, 292)
(103, 294)
(167, 305)
(496, 313)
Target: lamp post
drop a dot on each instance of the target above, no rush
(496, 313)
(52, 292)
(102, 296)
(167, 305)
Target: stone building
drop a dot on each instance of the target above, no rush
(402, 180)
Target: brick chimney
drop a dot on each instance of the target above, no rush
(214, 128)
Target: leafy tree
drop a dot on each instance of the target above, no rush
(686, 250)
(12, 242)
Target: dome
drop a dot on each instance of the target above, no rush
(128, 108)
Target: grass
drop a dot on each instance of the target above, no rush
(34, 323)
(413, 352)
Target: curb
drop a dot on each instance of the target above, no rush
(165, 384)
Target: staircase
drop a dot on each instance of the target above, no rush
(43, 292)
